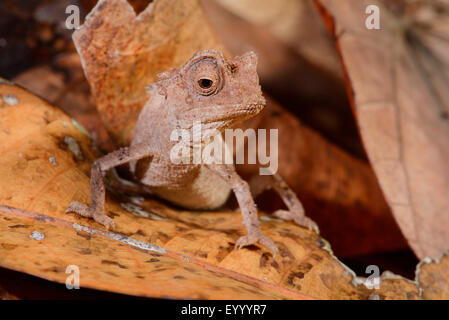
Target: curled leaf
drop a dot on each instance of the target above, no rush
(399, 84)
(134, 49)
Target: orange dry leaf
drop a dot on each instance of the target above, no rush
(45, 165)
(156, 250)
(399, 83)
(431, 282)
(433, 277)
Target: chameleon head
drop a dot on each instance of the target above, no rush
(218, 93)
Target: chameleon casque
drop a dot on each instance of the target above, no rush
(220, 94)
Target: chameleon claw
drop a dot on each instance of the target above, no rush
(88, 212)
(299, 219)
(257, 238)
(104, 220)
(79, 208)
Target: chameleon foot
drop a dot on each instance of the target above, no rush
(299, 219)
(86, 211)
(257, 237)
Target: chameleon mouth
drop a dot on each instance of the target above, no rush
(234, 112)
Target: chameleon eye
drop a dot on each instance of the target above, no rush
(205, 83)
(208, 85)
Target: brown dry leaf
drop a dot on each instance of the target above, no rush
(399, 82)
(134, 49)
(119, 62)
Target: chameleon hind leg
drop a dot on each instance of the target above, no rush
(295, 212)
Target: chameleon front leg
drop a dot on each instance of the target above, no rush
(295, 212)
(246, 203)
(97, 189)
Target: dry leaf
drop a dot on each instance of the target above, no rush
(431, 282)
(42, 171)
(190, 255)
(433, 278)
(399, 82)
(156, 251)
(134, 49)
(114, 265)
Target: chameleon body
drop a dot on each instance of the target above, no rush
(219, 94)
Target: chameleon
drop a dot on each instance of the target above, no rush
(220, 93)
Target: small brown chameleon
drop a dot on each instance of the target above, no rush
(219, 93)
